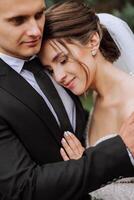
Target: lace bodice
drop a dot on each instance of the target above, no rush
(120, 190)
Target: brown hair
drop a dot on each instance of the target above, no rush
(74, 19)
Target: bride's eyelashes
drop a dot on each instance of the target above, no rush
(62, 59)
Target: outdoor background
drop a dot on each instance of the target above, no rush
(121, 8)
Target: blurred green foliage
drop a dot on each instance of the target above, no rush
(87, 101)
(127, 14)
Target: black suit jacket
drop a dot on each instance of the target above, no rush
(30, 138)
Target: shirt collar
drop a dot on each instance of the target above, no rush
(14, 63)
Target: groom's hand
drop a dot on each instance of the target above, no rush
(127, 133)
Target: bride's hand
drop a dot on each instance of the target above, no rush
(72, 148)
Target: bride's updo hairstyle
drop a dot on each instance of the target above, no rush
(74, 19)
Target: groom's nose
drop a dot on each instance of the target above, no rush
(34, 29)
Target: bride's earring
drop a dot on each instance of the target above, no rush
(93, 52)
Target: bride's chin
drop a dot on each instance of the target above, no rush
(78, 92)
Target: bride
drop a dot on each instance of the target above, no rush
(84, 51)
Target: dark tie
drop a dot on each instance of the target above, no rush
(50, 92)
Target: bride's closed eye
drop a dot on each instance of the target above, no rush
(62, 59)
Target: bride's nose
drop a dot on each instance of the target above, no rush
(60, 75)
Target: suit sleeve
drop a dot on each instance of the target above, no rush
(22, 179)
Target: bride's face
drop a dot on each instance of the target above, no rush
(71, 65)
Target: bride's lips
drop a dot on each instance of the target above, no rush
(70, 84)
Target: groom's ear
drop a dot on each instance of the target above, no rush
(94, 42)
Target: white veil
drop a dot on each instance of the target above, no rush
(124, 39)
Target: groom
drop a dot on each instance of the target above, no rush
(32, 125)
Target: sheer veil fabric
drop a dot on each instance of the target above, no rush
(124, 39)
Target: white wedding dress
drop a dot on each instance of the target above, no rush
(121, 189)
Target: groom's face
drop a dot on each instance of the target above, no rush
(21, 27)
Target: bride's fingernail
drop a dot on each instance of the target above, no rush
(61, 149)
(63, 140)
(66, 133)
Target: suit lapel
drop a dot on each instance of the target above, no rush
(28, 96)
